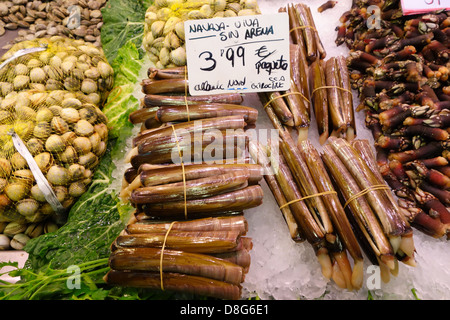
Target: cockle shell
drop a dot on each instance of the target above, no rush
(21, 82)
(27, 207)
(59, 125)
(37, 193)
(5, 168)
(37, 75)
(169, 25)
(83, 128)
(17, 161)
(35, 146)
(42, 130)
(82, 145)
(58, 176)
(76, 189)
(44, 114)
(69, 155)
(44, 161)
(179, 30)
(76, 171)
(157, 28)
(178, 56)
(104, 69)
(55, 143)
(16, 191)
(71, 115)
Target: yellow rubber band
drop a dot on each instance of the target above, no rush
(117, 94)
(182, 168)
(307, 197)
(303, 27)
(365, 191)
(162, 254)
(332, 87)
(285, 95)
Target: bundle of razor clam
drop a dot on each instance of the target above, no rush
(318, 86)
(401, 70)
(310, 190)
(189, 166)
(383, 233)
(310, 205)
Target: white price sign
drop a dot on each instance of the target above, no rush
(423, 6)
(245, 54)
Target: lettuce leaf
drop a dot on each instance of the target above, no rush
(123, 21)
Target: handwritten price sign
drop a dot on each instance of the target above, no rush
(245, 54)
(423, 6)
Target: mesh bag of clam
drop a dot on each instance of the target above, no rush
(50, 145)
(57, 63)
(164, 25)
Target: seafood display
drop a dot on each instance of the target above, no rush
(401, 73)
(111, 168)
(190, 182)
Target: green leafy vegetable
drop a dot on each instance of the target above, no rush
(121, 100)
(123, 21)
(94, 221)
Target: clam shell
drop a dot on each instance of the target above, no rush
(157, 28)
(34, 230)
(58, 176)
(179, 30)
(44, 114)
(24, 176)
(37, 75)
(71, 102)
(44, 161)
(61, 193)
(16, 191)
(169, 25)
(59, 125)
(76, 172)
(5, 168)
(164, 56)
(76, 189)
(89, 86)
(71, 115)
(14, 228)
(3, 183)
(83, 128)
(82, 145)
(104, 69)
(35, 146)
(17, 161)
(88, 160)
(218, 5)
(69, 155)
(20, 82)
(69, 137)
(37, 194)
(21, 69)
(42, 130)
(27, 207)
(102, 130)
(55, 143)
(89, 114)
(178, 56)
